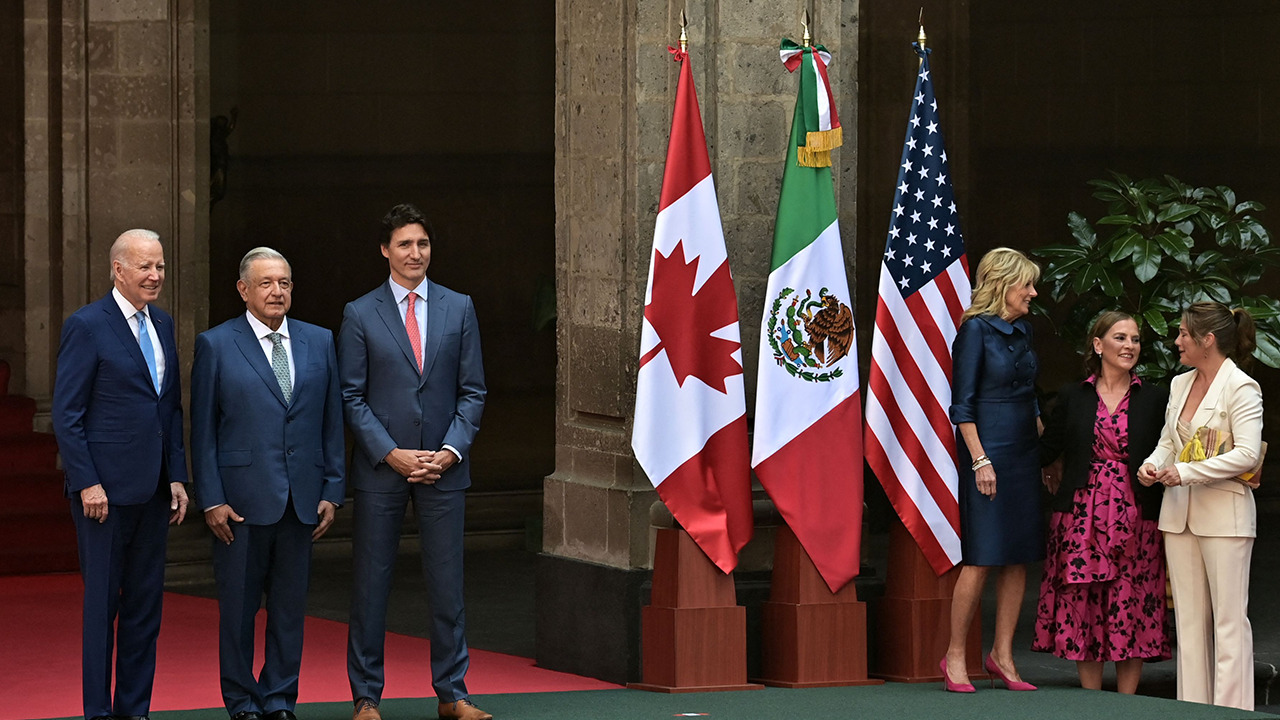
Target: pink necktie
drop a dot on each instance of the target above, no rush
(411, 327)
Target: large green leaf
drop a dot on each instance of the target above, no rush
(1172, 243)
(1175, 212)
(1226, 281)
(1081, 230)
(1259, 232)
(1124, 245)
(1248, 205)
(1145, 215)
(1218, 293)
(1110, 281)
(1146, 260)
(1268, 351)
(1229, 236)
(1118, 220)
(1228, 196)
(1060, 251)
(1156, 320)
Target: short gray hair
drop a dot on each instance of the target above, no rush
(259, 253)
(122, 243)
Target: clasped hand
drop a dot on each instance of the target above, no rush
(420, 466)
(1148, 475)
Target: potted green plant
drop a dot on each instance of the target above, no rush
(1161, 246)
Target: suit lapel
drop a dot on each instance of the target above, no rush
(390, 315)
(300, 349)
(251, 348)
(120, 326)
(1213, 396)
(168, 346)
(437, 315)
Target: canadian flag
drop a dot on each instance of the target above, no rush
(690, 430)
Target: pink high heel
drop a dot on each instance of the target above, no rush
(954, 687)
(1009, 684)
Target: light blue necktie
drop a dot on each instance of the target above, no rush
(280, 365)
(148, 352)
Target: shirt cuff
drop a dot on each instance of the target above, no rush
(453, 450)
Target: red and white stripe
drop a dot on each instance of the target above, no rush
(910, 441)
(691, 438)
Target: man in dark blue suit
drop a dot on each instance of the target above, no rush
(267, 453)
(413, 391)
(117, 414)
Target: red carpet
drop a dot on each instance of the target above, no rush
(40, 656)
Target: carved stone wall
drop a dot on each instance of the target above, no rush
(116, 137)
(615, 89)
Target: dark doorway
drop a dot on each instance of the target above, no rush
(344, 109)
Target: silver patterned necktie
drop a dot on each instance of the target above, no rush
(280, 365)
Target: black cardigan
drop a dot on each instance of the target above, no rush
(1069, 435)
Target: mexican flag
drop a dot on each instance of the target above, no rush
(690, 429)
(808, 426)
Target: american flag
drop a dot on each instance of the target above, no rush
(909, 441)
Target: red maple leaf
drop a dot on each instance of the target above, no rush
(684, 320)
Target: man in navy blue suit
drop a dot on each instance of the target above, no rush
(267, 453)
(117, 414)
(413, 391)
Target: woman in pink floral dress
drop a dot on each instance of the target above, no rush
(1102, 598)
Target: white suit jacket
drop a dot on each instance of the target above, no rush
(1208, 502)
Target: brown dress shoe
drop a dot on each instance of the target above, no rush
(366, 709)
(462, 710)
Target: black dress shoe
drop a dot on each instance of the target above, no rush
(281, 715)
(247, 715)
(130, 717)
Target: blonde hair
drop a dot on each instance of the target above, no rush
(1001, 269)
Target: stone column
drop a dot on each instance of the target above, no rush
(615, 89)
(116, 138)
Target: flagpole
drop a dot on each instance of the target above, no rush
(806, 39)
(921, 38)
(684, 35)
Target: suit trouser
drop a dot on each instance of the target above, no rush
(122, 563)
(375, 542)
(274, 560)
(1210, 579)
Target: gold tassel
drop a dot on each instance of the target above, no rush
(808, 157)
(1193, 451)
(825, 139)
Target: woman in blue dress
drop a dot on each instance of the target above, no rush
(997, 418)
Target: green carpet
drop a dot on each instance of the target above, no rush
(891, 700)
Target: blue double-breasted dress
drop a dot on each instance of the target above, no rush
(993, 380)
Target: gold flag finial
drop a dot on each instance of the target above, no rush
(684, 36)
(804, 22)
(921, 38)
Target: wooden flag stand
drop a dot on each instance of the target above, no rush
(811, 636)
(915, 616)
(693, 632)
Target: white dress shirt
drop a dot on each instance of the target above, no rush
(131, 315)
(401, 294)
(263, 333)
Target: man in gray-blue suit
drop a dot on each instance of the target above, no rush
(267, 454)
(413, 391)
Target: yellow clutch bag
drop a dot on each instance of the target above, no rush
(1207, 443)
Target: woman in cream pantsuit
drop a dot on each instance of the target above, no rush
(1209, 520)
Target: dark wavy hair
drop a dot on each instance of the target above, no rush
(1105, 321)
(1233, 330)
(401, 215)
